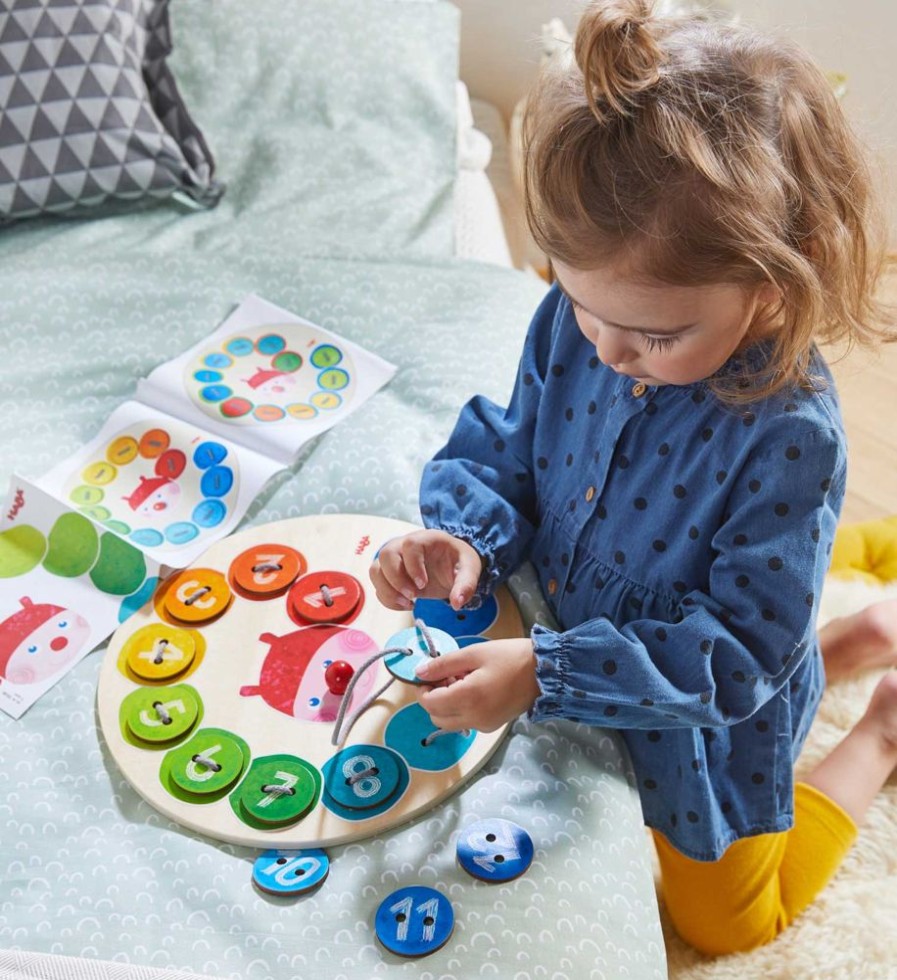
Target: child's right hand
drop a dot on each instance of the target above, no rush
(426, 564)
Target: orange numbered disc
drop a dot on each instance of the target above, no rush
(197, 595)
(158, 652)
(325, 597)
(266, 570)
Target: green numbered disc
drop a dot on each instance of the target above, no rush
(210, 762)
(161, 714)
(278, 790)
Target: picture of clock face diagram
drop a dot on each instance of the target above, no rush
(158, 485)
(271, 375)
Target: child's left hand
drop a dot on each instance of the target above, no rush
(481, 686)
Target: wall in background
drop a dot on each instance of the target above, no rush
(500, 56)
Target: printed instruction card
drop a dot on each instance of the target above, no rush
(168, 474)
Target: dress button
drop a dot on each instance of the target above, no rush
(638, 389)
(590, 494)
(552, 586)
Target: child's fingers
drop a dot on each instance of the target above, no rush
(467, 577)
(447, 666)
(444, 707)
(391, 563)
(414, 554)
(388, 595)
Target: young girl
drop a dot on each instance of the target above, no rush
(673, 459)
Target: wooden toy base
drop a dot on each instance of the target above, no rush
(214, 702)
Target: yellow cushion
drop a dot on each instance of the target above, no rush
(867, 551)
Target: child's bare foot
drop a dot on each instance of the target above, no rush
(857, 768)
(863, 640)
(881, 712)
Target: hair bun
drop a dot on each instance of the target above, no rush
(617, 54)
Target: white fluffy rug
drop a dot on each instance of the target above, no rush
(850, 931)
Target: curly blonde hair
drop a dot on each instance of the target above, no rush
(704, 153)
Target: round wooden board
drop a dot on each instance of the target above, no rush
(243, 667)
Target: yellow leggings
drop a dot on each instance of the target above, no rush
(761, 884)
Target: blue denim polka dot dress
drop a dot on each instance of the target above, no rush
(682, 546)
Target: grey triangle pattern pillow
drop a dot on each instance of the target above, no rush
(90, 115)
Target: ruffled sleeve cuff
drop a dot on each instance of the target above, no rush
(551, 674)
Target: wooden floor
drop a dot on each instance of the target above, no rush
(868, 387)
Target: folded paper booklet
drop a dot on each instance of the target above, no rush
(168, 474)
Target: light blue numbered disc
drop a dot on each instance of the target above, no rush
(147, 536)
(290, 872)
(362, 777)
(414, 921)
(209, 513)
(402, 665)
(239, 346)
(181, 532)
(495, 850)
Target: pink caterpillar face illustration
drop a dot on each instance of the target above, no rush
(156, 495)
(271, 382)
(293, 674)
(39, 641)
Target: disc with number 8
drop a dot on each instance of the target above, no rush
(362, 777)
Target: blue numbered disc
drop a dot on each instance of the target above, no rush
(217, 360)
(271, 343)
(215, 393)
(421, 744)
(290, 872)
(208, 454)
(438, 613)
(414, 921)
(402, 665)
(362, 777)
(495, 850)
(216, 481)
